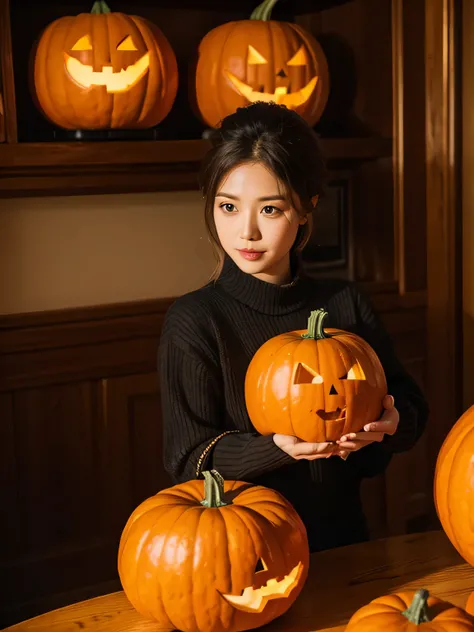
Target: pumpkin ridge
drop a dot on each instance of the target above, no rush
(151, 45)
(170, 531)
(44, 46)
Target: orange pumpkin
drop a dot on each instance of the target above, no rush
(470, 604)
(454, 485)
(410, 610)
(260, 59)
(315, 384)
(104, 70)
(218, 557)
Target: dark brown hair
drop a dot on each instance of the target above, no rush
(279, 139)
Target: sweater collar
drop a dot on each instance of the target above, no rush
(262, 296)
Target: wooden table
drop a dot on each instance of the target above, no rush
(339, 582)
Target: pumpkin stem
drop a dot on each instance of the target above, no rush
(264, 10)
(315, 325)
(213, 490)
(418, 611)
(100, 7)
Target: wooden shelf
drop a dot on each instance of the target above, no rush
(70, 168)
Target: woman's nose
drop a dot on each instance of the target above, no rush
(249, 230)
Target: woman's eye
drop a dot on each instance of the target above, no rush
(228, 207)
(270, 210)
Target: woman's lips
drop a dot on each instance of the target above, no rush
(251, 255)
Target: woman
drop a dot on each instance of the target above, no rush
(261, 181)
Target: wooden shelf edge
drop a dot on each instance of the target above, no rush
(78, 168)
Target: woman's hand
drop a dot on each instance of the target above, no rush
(373, 431)
(303, 450)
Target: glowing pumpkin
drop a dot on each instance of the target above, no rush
(260, 60)
(410, 610)
(315, 384)
(217, 557)
(104, 70)
(454, 485)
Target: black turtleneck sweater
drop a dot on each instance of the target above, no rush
(208, 339)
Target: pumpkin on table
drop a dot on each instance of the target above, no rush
(104, 70)
(260, 59)
(316, 384)
(454, 485)
(213, 557)
(410, 611)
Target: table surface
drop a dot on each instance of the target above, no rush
(340, 581)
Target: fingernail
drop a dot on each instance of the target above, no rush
(368, 427)
(342, 439)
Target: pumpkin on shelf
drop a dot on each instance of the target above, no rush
(218, 556)
(410, 610)
(260, 59)
(454, 485)
(104, 70)
(316, 384)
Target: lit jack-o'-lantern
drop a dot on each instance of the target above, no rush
(104, 70)
(229, 557)
(316, 384)
(260, 60)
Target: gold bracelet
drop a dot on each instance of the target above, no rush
(209, 447)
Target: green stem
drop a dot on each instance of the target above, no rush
(418, 611)
(100, 7)
(264, 10)
(315, 325)
(213, 490)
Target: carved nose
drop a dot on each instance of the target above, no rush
(333, 391)
(282, 74)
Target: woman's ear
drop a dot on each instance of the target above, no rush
(314, 200)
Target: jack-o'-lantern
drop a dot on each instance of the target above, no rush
(214, 557)
(260, 59)
(454, 485)
(316, 384)
(104, 70)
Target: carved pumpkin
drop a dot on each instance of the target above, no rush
(410, 610)
(218, 557)
(104, 70)
(260, 60)
(315, 384)
(454, 485)
(470, 604)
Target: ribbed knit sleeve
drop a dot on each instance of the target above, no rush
(409, 399)
(194, 415)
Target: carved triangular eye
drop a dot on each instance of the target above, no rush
(254, 57)
(355, 373)
(260, 566)
(83, 43)
(305, 375)
(127, 44)
(299, 58)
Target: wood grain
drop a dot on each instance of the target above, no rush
(340, 581)
(444, 236)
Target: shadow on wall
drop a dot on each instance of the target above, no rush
(468, 360)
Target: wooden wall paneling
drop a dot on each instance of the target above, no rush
(7, 85)
(409, 155)
(134, 446)
(444, 242)
(59, 542)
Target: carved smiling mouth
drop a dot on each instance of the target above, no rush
(86, 77)
(255, 599)
(333, 415)
(280, 96)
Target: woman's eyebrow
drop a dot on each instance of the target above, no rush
(265, 198)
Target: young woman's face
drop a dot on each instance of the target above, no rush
(256, 222)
